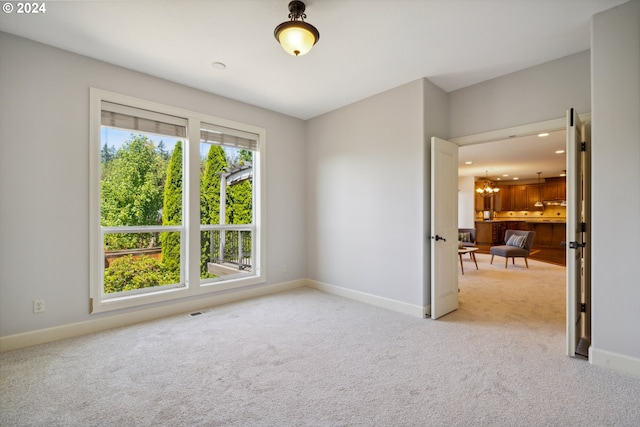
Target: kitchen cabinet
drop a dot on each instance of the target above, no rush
(519, 198)
(516, 225)
(534, 194)
(548, 233)
(502, 200)
(550, 191)
(489, 232)
(482, 203)
(523, 197)
(554, 189)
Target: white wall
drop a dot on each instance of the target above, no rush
(533, 95)
(616, 148)
(466, 202)
(616, 183)
(365, 196)
(44, 172)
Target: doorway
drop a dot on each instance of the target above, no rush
(579, 208)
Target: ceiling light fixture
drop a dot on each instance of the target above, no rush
(488, 189)
(296, 36)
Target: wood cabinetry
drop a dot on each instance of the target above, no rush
(551, 234)
(534, 194)
(520, 198)
(482, 203)
(523, 197)
(554, 189)
(502, 200)
(549, 191)
(489, 232)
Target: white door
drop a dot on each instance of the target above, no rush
(575, 235)
(444, 227)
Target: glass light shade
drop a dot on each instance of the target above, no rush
(487, 189)
(296, 37)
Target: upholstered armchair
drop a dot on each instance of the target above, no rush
(467, 236)
(518, 244)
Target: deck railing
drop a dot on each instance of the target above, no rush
(231, 245)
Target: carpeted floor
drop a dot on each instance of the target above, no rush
(305, 358)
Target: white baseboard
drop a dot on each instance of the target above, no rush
(41, 336)
(378, 301)
(614, 361)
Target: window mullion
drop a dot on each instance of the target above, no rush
(191, 220)
(142, 229)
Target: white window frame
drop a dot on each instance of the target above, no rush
(191, 228)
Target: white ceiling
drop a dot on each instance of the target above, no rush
(365, 46)
(520, 157)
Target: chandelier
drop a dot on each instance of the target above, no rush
(488, 188)
(296, 36)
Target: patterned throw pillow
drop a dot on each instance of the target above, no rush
(464, 237)
(517, 241)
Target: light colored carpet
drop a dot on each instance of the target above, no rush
(305, 358)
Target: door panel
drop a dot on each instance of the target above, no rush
(575, 218)
(444, 227)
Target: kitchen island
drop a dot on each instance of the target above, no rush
(549, 232)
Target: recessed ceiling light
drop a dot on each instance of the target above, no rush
(543, 134)
(219, 65)
(506, 174)
(468, 163)
(559, 151)
(515, 178)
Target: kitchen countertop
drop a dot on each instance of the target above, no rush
(530, 220)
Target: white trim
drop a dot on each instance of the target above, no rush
(190, 276)
(517, 131)
(42, 336)
(617, 362)
(378, 301)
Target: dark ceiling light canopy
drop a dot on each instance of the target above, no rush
(296, 36)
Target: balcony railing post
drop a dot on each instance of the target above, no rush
(239, 248)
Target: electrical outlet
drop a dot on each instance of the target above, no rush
(38, 306)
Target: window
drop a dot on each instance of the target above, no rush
(175, 203)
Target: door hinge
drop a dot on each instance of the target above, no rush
(583, 227)
(576, 245)
(571, 117)
(583, 146)
(583, 308)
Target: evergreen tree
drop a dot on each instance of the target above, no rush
(163, 151)
(240, 195)
(107, 154)
(172, 214)
(215, 164)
